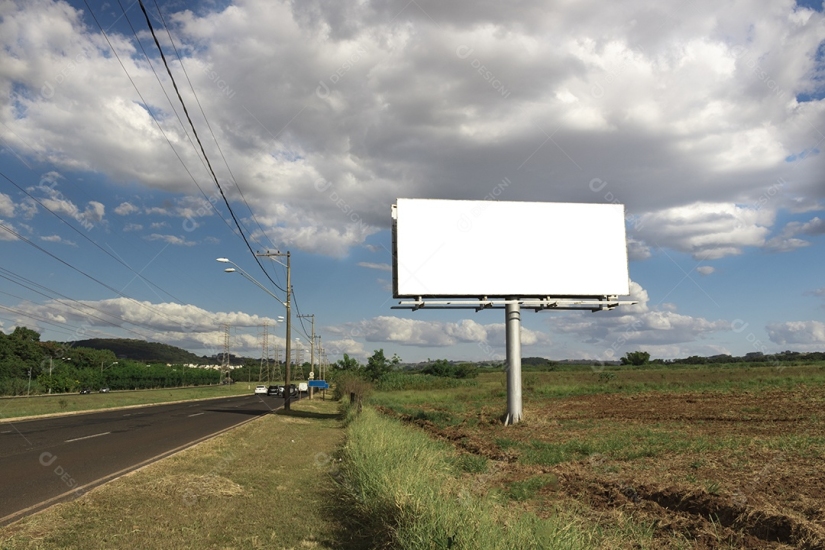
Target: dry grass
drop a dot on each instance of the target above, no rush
(266, 484)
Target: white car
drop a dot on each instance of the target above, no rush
(260, 390)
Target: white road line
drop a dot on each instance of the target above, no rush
(196, 414)
(6, 432)
(86, 437)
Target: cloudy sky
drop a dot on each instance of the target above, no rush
(707, 123)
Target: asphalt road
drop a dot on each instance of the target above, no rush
(46, 461)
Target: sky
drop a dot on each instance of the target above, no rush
(706, 123)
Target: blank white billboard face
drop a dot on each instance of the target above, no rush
(452, 248)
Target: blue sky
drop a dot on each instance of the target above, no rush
(708, 126)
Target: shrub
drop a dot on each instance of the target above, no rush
(395, 381)
(347, 383)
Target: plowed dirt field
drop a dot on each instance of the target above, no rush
(709, 469)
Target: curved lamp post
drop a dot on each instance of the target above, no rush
(286, 304)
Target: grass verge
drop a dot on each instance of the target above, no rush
(18, 407)
(266, 484)
(406, 492)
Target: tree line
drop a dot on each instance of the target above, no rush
(29, 366)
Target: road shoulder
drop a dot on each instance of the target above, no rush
(265, 484)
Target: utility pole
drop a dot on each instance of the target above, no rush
(288, 320)
(320, 374)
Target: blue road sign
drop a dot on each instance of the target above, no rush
(322, 384)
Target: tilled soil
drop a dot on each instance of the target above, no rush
(765, 489)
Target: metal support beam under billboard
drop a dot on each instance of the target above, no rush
(513, 331)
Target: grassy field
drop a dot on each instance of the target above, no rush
(668, 457)
(659, 457)
(267, 484)
(16, 407)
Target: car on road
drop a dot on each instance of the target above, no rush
(85, 390)
(104, 389)
(261, 389)
(274, 391)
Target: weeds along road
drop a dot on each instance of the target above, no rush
(46, 461)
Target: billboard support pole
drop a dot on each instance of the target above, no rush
(513, 335)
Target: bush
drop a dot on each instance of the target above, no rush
(347, 383)
(443, 368)
(395, 381)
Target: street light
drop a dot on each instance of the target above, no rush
(286, 304)
(101, 366)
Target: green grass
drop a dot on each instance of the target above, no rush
(490, 387)
(16, 407)
(528, 488)
(267, 484)
(403, 489)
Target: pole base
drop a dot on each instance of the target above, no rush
(511, 419)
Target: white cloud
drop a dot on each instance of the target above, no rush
(154, 317)
(626, 328)
(637, 250)
(380, 267)
(381, 101)
(170, 239)
(787, 240)
(705, 269)
(708, 231)
(57, 239)
(6, 206)
(55, 201)
(126, 208)
(132, 227)
(6, 235)
(413, 332)
(336, 349)
(797, 332)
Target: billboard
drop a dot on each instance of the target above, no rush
(455, 248)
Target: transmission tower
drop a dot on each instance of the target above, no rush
(225, 363)
(299, 364)
(277, 364)
(264, 355)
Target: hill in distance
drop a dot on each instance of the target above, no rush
(140, 350)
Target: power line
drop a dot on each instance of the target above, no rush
(11, 276)
(200, 144)
(157, 123)
(80, 271)
(55, 214)
(208, 125)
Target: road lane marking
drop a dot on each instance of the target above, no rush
(86, 437)
(6, 432)
(196, 414)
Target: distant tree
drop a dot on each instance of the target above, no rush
(378, 365)
(443, 368)
(635, 358)
(439, 367)
(348, 363)
(466, 370)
